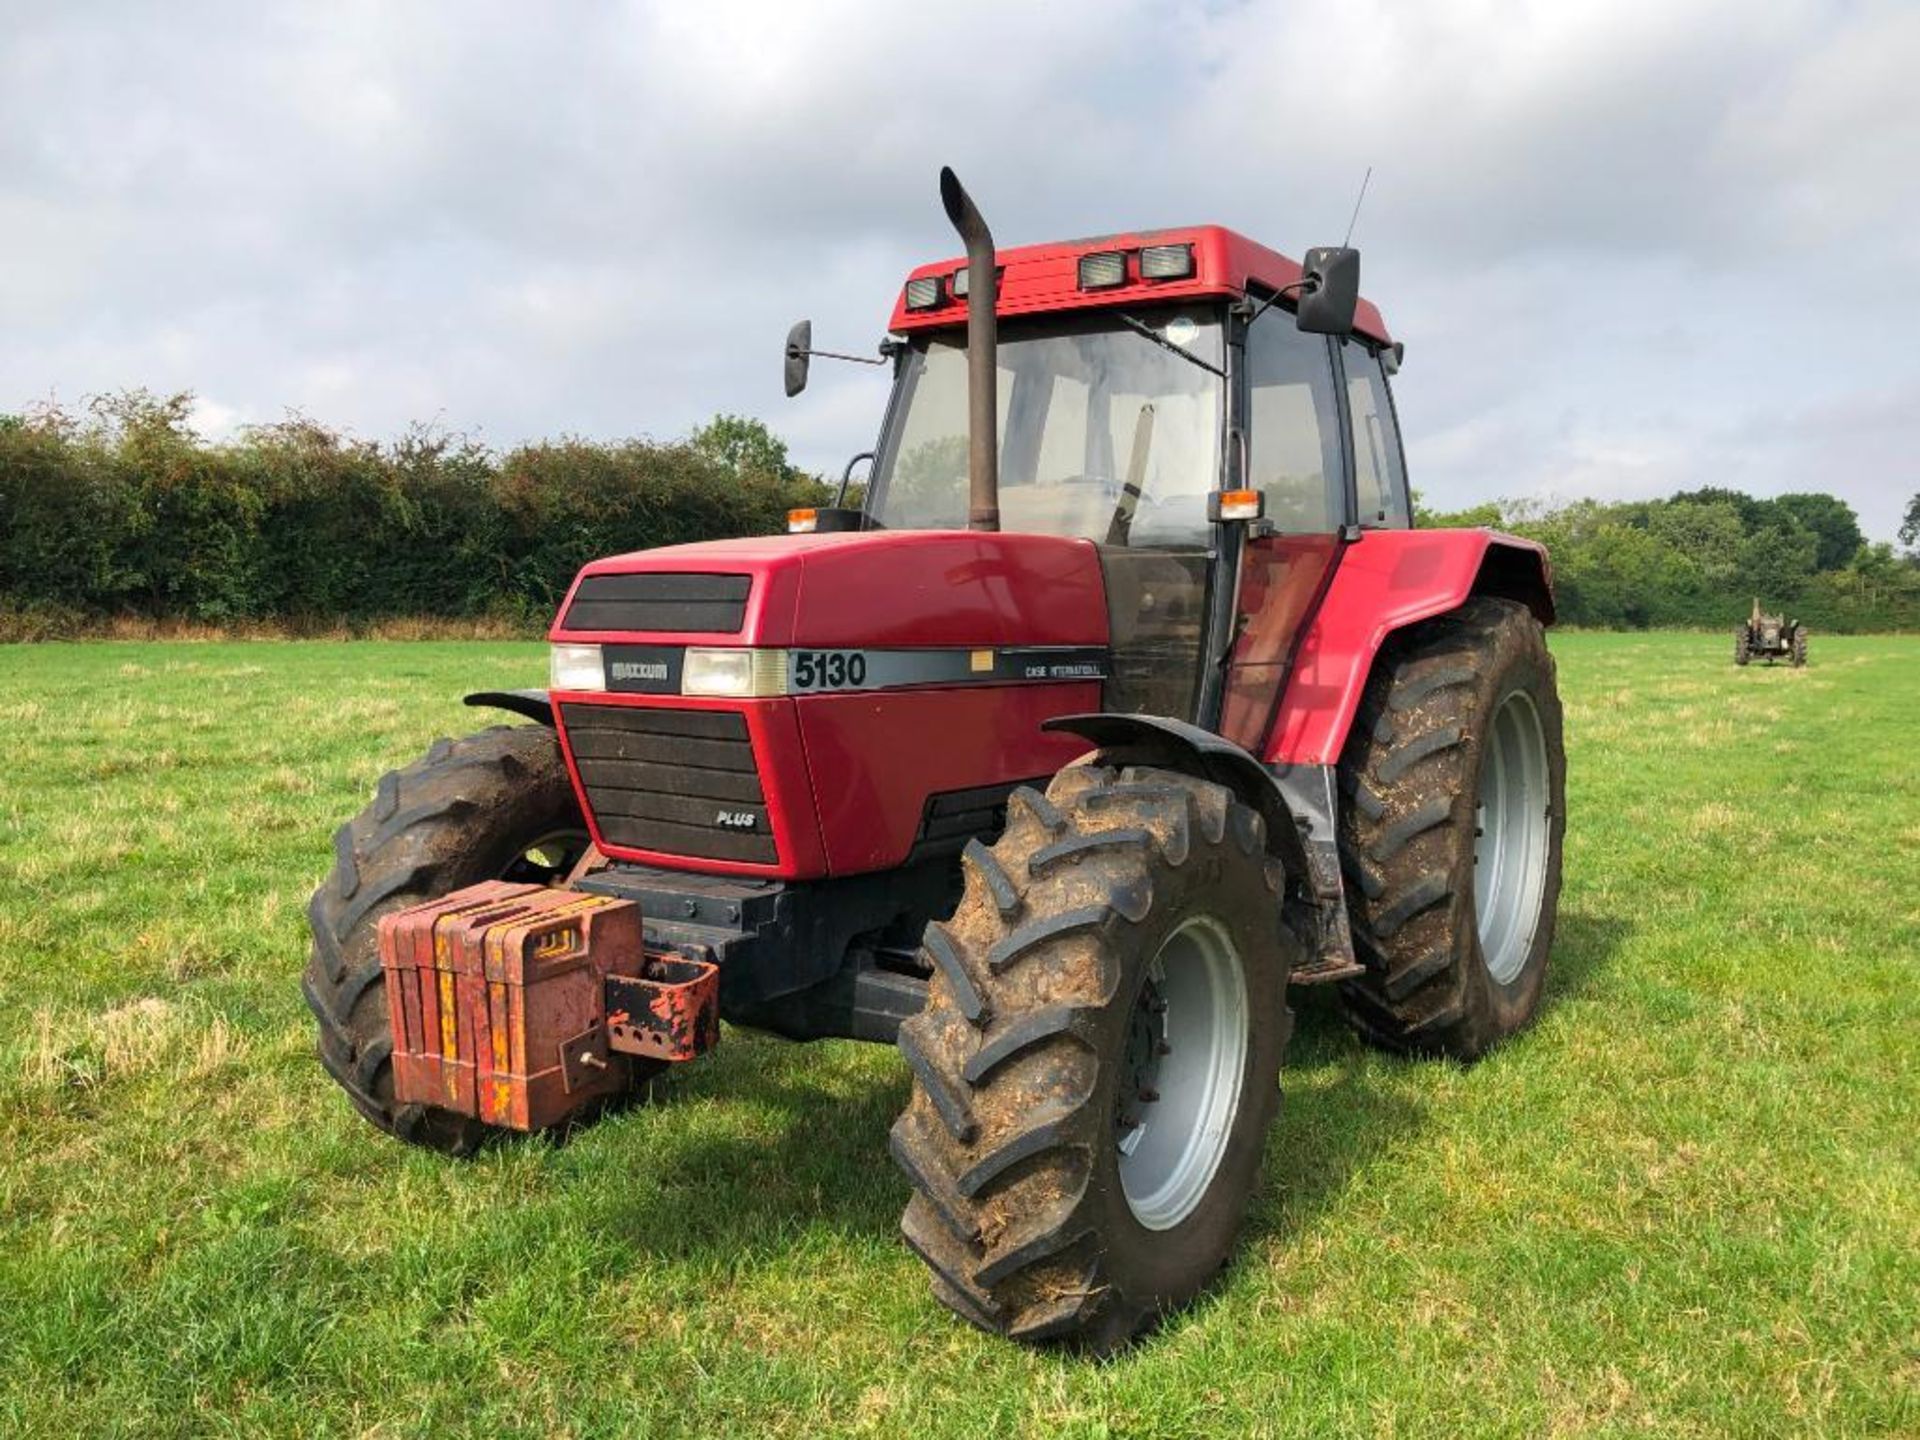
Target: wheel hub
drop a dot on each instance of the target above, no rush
(547, 860)
(1146, 1044)
(1180, 1074)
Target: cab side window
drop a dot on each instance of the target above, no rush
(1293, 424)
(1378, 471)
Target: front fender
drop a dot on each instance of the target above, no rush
(1176, 745)
(534, 704)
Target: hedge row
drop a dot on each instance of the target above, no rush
(127, 513)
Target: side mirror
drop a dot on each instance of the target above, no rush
(1332, 290)
(799, 356)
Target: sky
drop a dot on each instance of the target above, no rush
(1632, 247)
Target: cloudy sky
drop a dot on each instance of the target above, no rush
(1632, 247)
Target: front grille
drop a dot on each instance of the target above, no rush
(677, 782)
(666, 604)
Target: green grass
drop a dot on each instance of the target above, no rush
(1687, 1201)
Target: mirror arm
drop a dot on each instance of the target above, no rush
(1305, 285)
(794, 352)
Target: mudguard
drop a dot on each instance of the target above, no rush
(1386, 581)
(534, 704)
(1176, 745)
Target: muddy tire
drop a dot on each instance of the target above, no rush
(1455, 783)
(1072, 1179)
(496, 805)
(1798, 650)
(1742, 646)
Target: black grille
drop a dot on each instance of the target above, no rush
(953, 817)
(663, 604)
(680, 782)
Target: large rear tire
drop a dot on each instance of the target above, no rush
(1742, 646)
(496, 805)
(1456, 776)
(1798, 650)
(1097, 1064)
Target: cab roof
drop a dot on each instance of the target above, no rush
(1036, 279)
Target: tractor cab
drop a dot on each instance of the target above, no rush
(1158, 395)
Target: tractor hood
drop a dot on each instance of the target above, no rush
(871, 588)
(898, 684)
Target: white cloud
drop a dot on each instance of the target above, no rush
(1631, 244)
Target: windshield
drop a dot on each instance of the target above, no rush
(1104, 434)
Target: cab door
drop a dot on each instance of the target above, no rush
(1294, 426)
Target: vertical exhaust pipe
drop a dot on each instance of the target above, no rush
(983, 404)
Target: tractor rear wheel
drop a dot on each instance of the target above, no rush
(1098, 1060)
(1742, 646)
(491, 806)
(1456, 781)
(1798, 650)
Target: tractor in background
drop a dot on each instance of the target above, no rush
(1126, 700)
(1769, 638)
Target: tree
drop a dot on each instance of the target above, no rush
(1619, 576)
(1709, 535)
(1486, 513)
(1910, 527)
(744, 445)
(1777, 561)
(1833, 523)
(1752, 512)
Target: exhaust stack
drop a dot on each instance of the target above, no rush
(983, 405)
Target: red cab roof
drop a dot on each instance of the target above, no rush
(1040, 278)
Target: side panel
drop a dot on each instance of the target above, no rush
(876, 756)
(1387, 580)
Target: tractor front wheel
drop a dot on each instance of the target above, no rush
(1456, 781)
(491, 806)
(1098, 1060)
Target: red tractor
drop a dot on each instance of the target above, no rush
(1126, 698)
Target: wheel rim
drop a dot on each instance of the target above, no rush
(1180, 1083)
(1510, 848)
(547, 860)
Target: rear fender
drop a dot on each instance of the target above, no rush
(533, 704)
(1176, 745)
(1387, 581)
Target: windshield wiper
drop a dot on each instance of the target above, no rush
(1165, 344)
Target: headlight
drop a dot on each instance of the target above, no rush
(738, 673)
(576, 667)
(924, 293)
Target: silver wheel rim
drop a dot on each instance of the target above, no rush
(1510, 845)
(1180, 1083)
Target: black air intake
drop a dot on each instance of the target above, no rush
(661, 603)
(677, 782)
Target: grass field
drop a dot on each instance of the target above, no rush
(1686, 1202)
